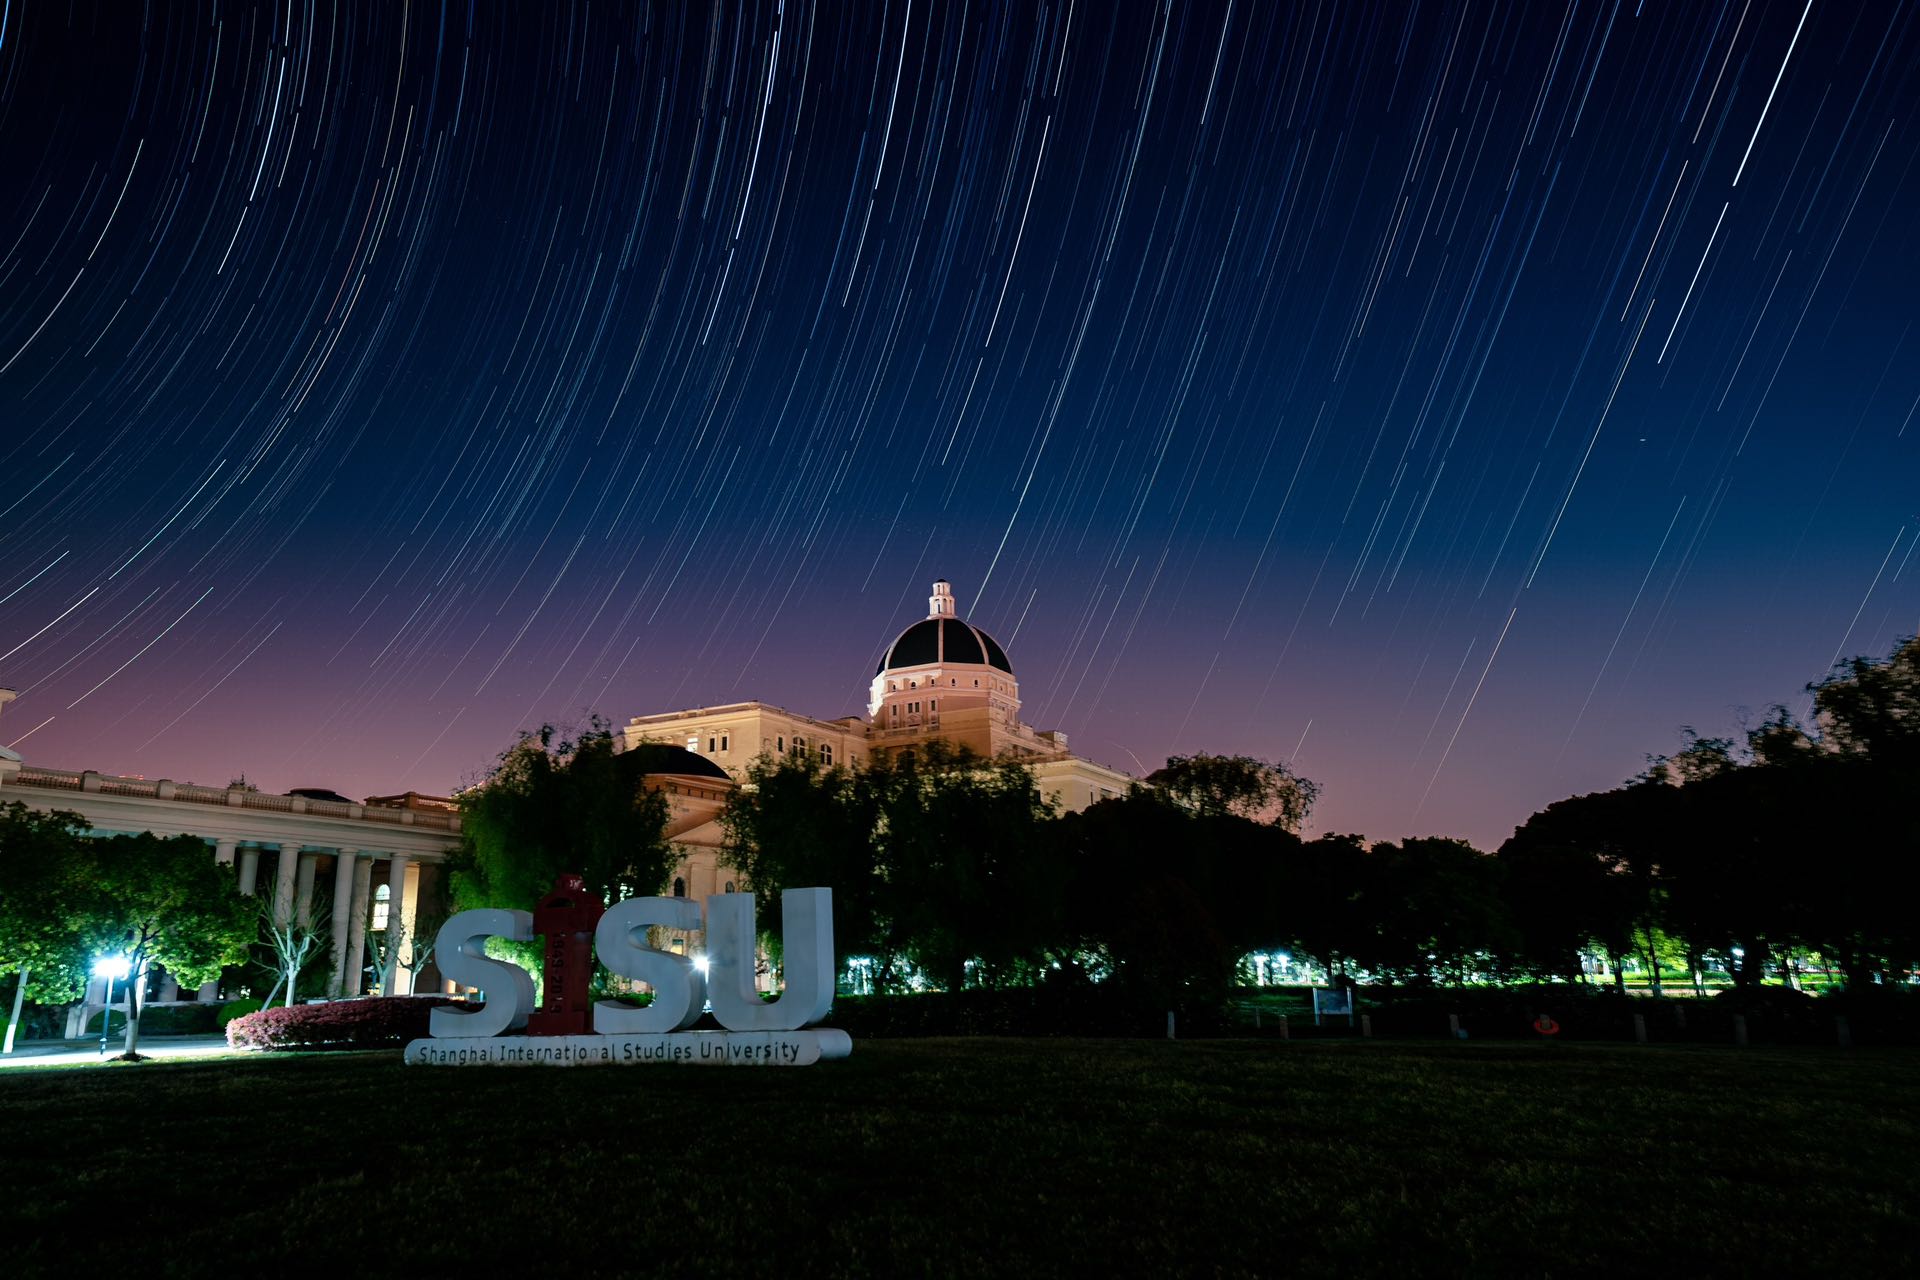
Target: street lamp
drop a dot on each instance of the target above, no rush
(108, 967)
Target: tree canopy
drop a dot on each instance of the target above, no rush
(162, 902)
(555, 803)
(933, 857)
(39, 853)
(1243, 786)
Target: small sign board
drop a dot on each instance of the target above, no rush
(1332, 1002)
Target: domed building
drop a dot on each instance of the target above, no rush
(941, 678)
(946, 678)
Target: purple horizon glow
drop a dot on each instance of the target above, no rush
(1455, 403)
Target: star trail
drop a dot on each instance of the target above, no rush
(1454, 399)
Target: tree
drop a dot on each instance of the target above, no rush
(39, 853)
(793, 821)
(1871, 708)
(1169, 898)
(1321, 902)
(293, 941)
(165, 902)
(1240, 785)
(1579, 874)
(556, 804)
(1436, 910)
(963, 861)
(399, 945)
(423, 937)
(936, 857)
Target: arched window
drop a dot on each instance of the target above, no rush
(679, 887)
(730, 888)
(382, 905)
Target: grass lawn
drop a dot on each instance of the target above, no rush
(1014, 1157)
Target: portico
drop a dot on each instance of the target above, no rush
(292, 839)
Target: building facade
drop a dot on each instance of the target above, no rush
(372, 854)
(941, 678)
(381, 860)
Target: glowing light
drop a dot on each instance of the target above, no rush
(114, 967)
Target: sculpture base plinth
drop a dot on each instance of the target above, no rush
(672, 1048)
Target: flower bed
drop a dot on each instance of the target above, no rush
(377, 1023)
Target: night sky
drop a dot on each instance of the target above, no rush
(1453, 399)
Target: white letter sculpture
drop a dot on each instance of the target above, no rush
(461, 952)
(806, 954)
(679, 989)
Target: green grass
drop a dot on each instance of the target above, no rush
(1007, 1157)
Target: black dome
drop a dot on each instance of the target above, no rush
(933, 640)
(664, 757)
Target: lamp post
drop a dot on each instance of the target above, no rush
(108, 967)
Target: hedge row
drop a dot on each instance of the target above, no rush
(165, 1020)
(377, 1023)
(1772, 1015)
(1020, 1011)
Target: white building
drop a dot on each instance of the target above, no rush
(941, 678)
(386, 852)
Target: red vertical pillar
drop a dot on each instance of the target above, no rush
(566, 917)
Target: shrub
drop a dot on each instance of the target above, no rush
(376, 1023)
(164, 1020)
(1048, 1010)
(236, 1009)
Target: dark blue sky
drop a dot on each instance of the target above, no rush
(1455, 399)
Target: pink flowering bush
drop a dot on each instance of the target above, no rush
(379, 1022)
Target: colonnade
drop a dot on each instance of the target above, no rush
(296, 868)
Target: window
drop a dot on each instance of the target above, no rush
(826, 756)
(382, 906)
(679, 887)
(800, 746)
(693, 742)
(725, 745)
(780, 744)
(933, 704)
(730, 888)
(713, 745)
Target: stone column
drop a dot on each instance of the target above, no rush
(285, 870)
(342, 912)
(303, 886)
(249, 871)
(397, 984)
(222, 857)
(357, 926)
